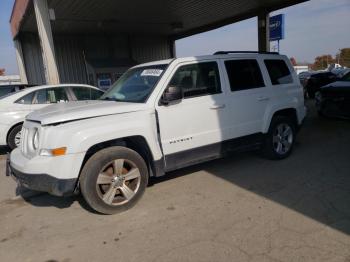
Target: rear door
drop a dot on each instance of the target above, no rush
(248, 96)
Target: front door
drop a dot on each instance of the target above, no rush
(191, 129)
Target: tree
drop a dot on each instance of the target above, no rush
(293, 61)
(2, 71)
(343, 57)
(322, 62)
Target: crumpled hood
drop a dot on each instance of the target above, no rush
(64, 112)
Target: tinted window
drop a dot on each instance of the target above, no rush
(244, 74)
(85, 93)
(51, 95)
(27, 99)
(279, 72)
(198, 79)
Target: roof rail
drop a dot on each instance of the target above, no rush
(244, 52)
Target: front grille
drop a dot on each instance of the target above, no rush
(24, 140)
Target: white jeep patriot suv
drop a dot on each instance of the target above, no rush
(159, 117)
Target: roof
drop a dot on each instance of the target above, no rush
(250, 54)
(18, 94)
(172, 18)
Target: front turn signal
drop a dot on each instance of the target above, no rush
(61, 151)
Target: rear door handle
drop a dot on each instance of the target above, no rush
(216, 107)
(263, 98)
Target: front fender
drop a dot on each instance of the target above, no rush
(79, 136)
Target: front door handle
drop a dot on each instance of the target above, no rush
(263, 98)
(216, 107)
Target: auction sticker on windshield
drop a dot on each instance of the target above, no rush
(151, 72)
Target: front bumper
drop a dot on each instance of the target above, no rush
(43, 182)
(55, 175)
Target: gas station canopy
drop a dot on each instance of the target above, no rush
(65, 41)
(176, 18)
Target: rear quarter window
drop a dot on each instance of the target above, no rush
(278, 71)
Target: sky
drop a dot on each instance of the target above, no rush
(313, 28)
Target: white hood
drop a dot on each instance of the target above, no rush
(64, 112)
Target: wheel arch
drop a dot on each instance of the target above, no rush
(287, 112)
(137, 143)
(12, 127)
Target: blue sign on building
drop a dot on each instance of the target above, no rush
(277, 27)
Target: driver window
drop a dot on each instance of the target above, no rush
(198, 79)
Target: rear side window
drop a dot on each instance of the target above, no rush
(279, 72)
(85, 93)
(244, 74)
(198, 79)
(27, 99)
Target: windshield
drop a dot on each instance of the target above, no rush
(136, 85)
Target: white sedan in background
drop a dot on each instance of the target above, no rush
(15, 107)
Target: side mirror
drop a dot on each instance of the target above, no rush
(172, 94)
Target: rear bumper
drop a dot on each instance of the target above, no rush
(42, 182)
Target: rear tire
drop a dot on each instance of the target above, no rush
(13, 139)
(279, 140)
(113, 180)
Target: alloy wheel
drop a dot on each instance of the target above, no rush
(283, 139)
(118, 182)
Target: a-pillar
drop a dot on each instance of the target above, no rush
(46, 41)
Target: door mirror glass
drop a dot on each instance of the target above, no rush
(172, 94)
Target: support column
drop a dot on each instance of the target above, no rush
(20, 62)
(172, 47)
(46, 41)
(264, 32)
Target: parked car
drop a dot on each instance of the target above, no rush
(15, 107)
(333, 100)
(313, 82)
(9, 89)
(159, 117)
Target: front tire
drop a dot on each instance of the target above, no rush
(14, 137)
(279, 140)
(113, 180)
